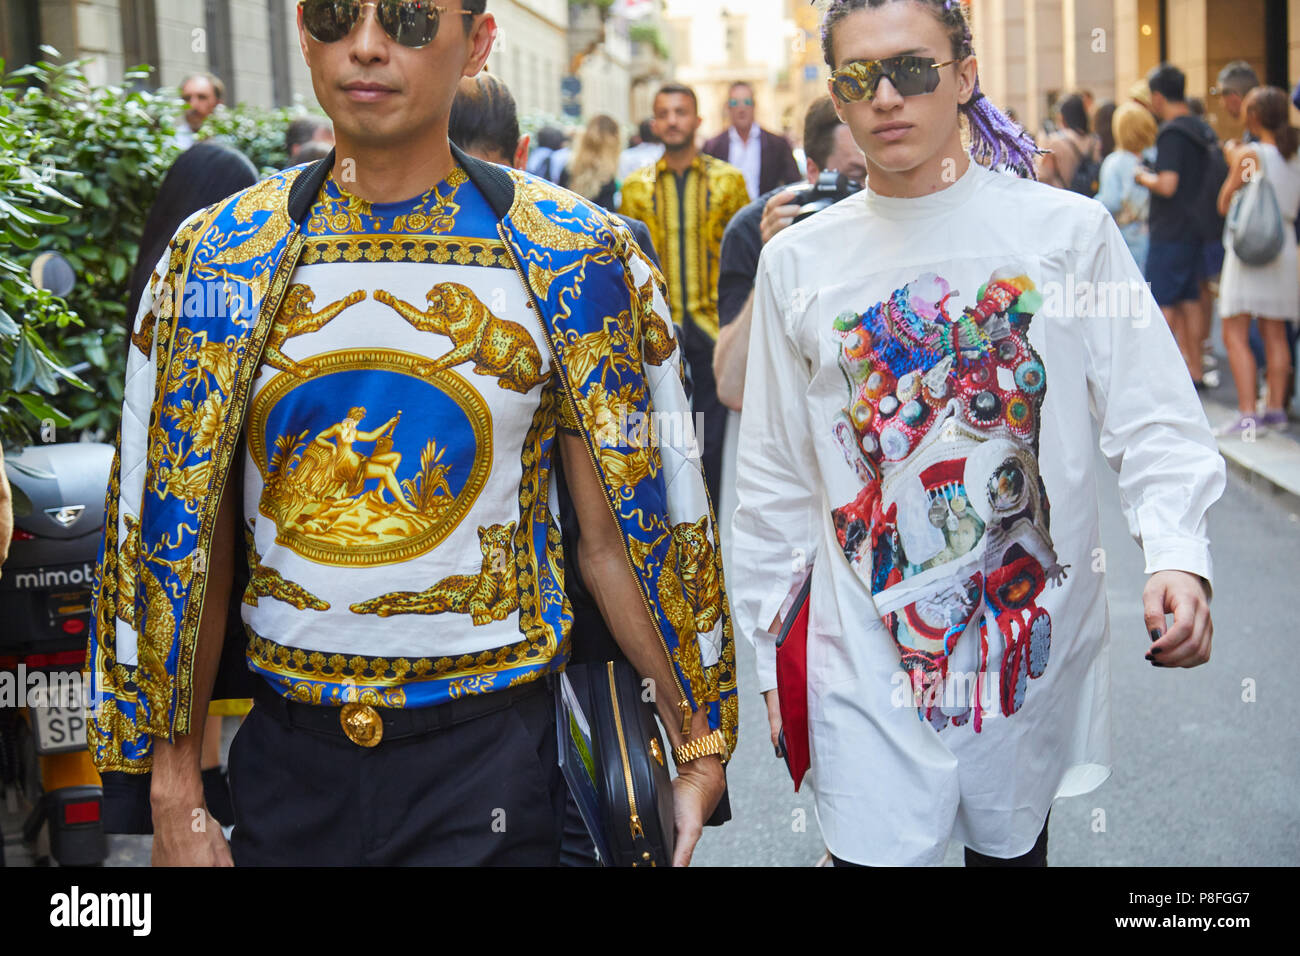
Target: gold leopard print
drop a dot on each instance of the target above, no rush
(487, 596)
(497, 347)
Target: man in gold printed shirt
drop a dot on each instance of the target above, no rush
(687, 199)
(378, 443)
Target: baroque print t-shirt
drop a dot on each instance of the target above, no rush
(398, 530)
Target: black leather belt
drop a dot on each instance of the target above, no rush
(366, 725)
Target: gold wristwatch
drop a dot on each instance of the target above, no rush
(714, 743)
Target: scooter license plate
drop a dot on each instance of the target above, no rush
(59, 729)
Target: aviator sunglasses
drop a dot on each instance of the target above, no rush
(412, 23)
(910, 75)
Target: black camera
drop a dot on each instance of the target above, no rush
(829, 189)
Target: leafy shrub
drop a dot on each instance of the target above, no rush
(31, 370)
(117, 143)
(255, 131)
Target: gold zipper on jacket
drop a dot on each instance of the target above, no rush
(683, 704)
(634, 821)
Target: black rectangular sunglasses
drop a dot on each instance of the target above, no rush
(412, 23)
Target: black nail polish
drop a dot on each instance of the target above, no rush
(1150, 658)
(1157, 664)
(1157, 650)
(1156, 633)
(777, 751)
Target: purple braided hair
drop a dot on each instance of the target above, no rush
(995, 138)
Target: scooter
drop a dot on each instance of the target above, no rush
(46, 772)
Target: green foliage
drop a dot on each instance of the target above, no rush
(108, 148)
(256, 132)
(649, 34)
(31, 371)
(115, 145)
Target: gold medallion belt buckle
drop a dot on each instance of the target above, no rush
(362, 724)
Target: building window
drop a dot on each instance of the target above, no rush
(140, 39)
(735, 40)
(221, 53)
(278, 36)
(20, 33)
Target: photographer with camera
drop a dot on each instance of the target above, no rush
(836, 169)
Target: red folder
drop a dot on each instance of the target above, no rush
(792, 685)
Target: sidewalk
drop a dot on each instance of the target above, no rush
(1272, 460)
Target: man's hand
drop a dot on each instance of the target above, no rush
(773, 718)
(777, 214)
(186, 834)
(1186, 597)
(696, 792)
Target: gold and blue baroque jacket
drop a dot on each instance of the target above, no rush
(196, 347)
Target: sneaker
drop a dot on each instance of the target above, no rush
(1275, 419)
(1244, 425)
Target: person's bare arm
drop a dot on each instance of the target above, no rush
(185, 834)
(1243, 165)
(603, 558)
(730, 356)
(1163, 184)
(6, 511)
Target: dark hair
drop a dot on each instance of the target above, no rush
(471, 7)
(1169, 81)
(1102, 118)
(312, 151)
(678, 88)
(302, 130)
(549, 137)
(484, 115)
(993, 138)
(204, 174)
(647, 131)
(1272, 108)
(1237, 77)
(1073, 113)
(819, 126)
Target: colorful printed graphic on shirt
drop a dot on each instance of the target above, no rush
(951, 528)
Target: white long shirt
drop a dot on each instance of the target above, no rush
(958, 677)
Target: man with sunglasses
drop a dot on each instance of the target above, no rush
(927, 363)
(763, 156)
(450, 332)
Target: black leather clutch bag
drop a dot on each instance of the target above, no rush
(633, 782)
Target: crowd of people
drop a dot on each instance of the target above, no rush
(898, 402)
(1158, 166)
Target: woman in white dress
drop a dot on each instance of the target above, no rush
(1269, 292)
(927, 363)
